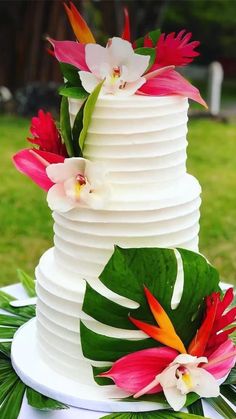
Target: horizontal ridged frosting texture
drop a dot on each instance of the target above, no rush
(141, 141)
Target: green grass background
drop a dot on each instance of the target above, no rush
(26, 224)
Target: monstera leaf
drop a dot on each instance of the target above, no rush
(125, 274)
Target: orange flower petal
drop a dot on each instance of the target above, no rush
(159, 313)
(170, 339)
(79, 26)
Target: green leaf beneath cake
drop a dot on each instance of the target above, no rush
(73, 92)
(38, 401)
(158, 414)
(27, 282)
(88, 111)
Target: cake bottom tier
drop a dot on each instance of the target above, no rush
(59, 311)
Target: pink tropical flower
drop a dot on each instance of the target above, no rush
(33, 164)
(181, 377)
(46, 135)
(77, 182)
(168, 83)
(135, 371)
(222, 360)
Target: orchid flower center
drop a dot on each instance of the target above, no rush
(79, 184)
(185, 382)
(116, 72)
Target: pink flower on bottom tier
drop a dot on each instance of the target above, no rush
(181, 377)
(118, 64)
(78, 182)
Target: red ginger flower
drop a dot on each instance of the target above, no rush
(175, 49)
(211, 334)
(46, 134)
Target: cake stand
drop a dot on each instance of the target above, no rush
(85, 402)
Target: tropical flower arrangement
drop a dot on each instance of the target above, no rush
(187, 353)
(122, 67)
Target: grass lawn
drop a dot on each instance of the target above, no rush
(26, 225)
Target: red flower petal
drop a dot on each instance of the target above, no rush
(126, 31)
(171, 83)
(135, 371)
(198, 345)
(70, 52)
(175, 50)
(46, 134)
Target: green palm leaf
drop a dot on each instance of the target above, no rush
(12, 389)
(11, 406)
(27, 282)
(159, 414)
(222, 407)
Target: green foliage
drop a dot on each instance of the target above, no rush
(73, 92)
(159, 414)
(231, 379)
(196, 408)
(12, 389)
(147, 51)
(222, 407)
(88, 111)
(229, 392)
(27, 282)
(204, 18)
(70, 74)
(38, 401)
(125, 274)
(153, 36)
(65, 126)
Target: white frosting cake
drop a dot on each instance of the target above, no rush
(141, 140)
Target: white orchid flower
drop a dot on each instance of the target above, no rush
(118, 64)
(77, 182)
(181, 377)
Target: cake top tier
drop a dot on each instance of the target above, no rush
(129, 117)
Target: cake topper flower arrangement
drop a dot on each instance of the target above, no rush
(122, 67)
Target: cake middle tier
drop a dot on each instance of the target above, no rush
(84, 239)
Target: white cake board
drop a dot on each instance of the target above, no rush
(35, 373)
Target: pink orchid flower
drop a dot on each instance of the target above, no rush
(77, 182)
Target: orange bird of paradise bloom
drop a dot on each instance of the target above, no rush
(165, 333)
(81, 30)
